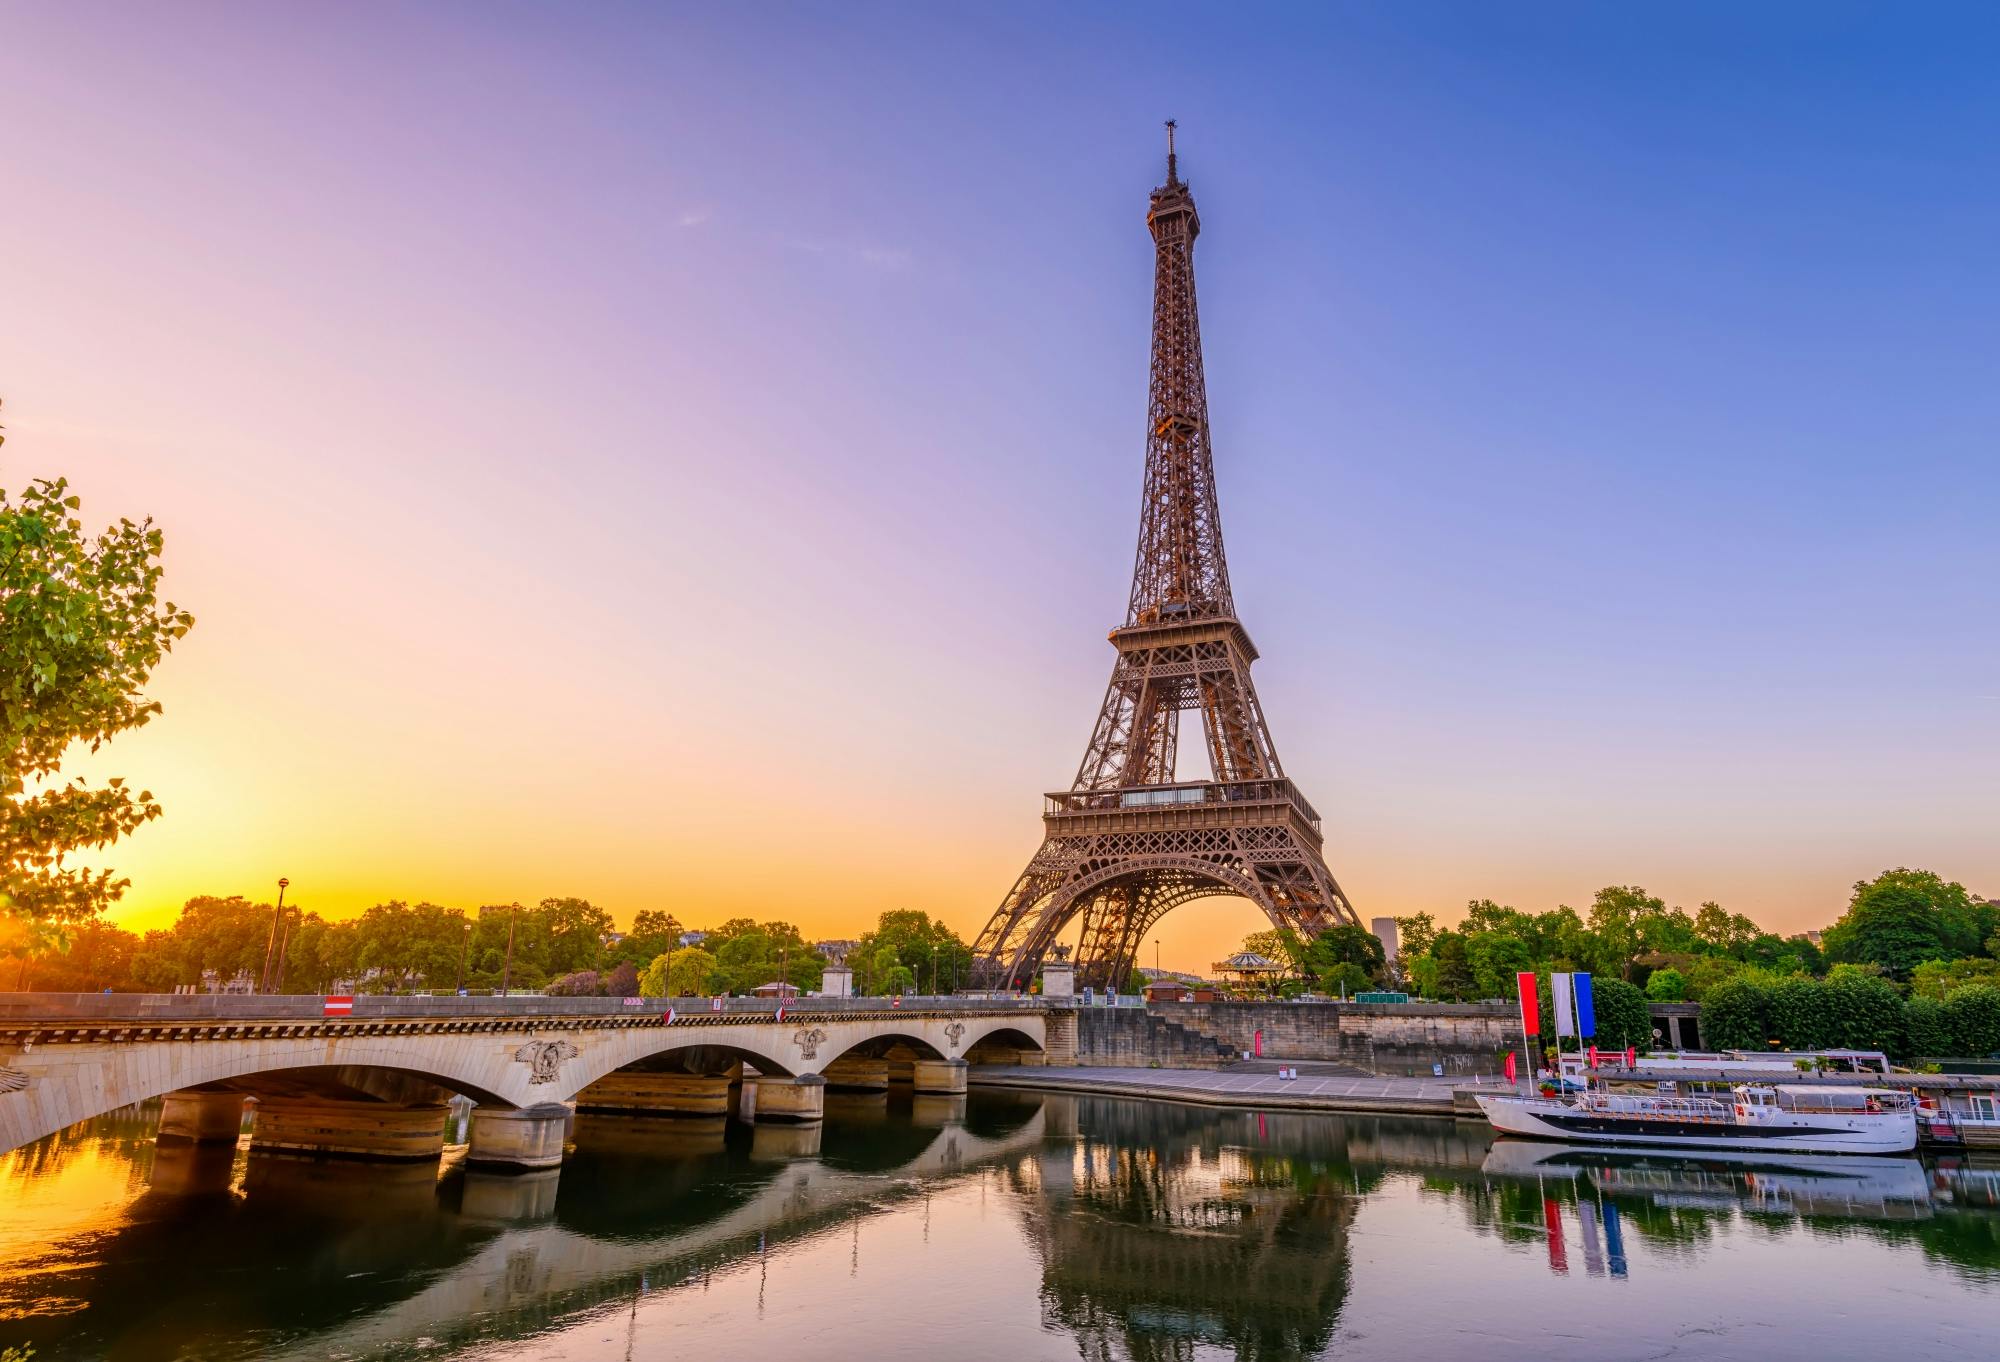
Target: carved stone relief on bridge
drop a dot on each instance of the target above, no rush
(955, 1032)
(545, 1057)
(807, 1039)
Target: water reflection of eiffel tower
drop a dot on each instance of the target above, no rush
(1130, 840)
(1152, 1252)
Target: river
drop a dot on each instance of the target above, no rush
(1006, 1225)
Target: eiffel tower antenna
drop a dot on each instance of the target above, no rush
(1130, 840)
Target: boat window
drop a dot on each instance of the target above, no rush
(1986, 1108)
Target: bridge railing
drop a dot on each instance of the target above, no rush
(279, 1007)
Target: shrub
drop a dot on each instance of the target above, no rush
(1622, 1018)
(1667, 985)
(1800, 1017)
(1864, 1012)
(1972, 1015)
(622, 982)
(581, 984)
(1925, 1028)
(1736, 1015)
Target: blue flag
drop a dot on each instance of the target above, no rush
(1586, 1013)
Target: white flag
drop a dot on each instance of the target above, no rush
(1565, 1014)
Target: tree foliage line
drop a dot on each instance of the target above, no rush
(1909, 967)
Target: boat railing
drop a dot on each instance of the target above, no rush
(1675, 1108)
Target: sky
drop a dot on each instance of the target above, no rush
(689, 456)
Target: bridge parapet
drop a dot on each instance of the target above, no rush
(259, 1007)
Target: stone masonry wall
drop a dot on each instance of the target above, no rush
(1407, 1038)
(1131, 1037)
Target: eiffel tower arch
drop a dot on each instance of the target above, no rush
(1129, 842)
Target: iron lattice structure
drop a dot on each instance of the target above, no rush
(1128, 841)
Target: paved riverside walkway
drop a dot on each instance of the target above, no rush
(1240, 1087)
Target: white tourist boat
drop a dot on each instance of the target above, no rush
(1795, 1117)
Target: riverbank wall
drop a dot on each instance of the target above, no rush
(1458, 1039)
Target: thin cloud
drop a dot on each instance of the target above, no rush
(875, 257)
(694, 217)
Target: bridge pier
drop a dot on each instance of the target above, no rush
(940, 1076)
(638, 1093)
(202, 1117)
(794, 1101)
(362, 1130)
(518, 1137)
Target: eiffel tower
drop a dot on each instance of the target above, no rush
(1128, 842)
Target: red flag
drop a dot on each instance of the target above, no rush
(1531, 1008)
(1593, 1056)
(1631, 1058)
(1509, 1069)
(668, 1020)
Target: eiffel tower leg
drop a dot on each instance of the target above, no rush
(1012, 944)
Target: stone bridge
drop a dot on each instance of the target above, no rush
(374, 1081)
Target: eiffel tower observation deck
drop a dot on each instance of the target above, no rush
(1129, 841)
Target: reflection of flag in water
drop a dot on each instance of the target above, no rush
(1614, 1239)
(1593, 1251)
(1553, 1218)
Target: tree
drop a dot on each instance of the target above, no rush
(1343, 980)
(572, 935)
(1900, 919)
(653, 933)
(229, 936)
(1938, 978)
(1339, 956)
(1617, 920)
(1722, 932)
(685, 973)
(1445, 974)
(1667, 985)
(1135, 982)
(82, 626)
(95, 955)
(583, 983)
(1280, 945)
(1415, 934)
(413, 946)
(1494, 960)
(622, 981)
(909, 939)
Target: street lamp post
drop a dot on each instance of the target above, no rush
(271, 944)
(464, 943)
(507, 970)
(284, 940)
